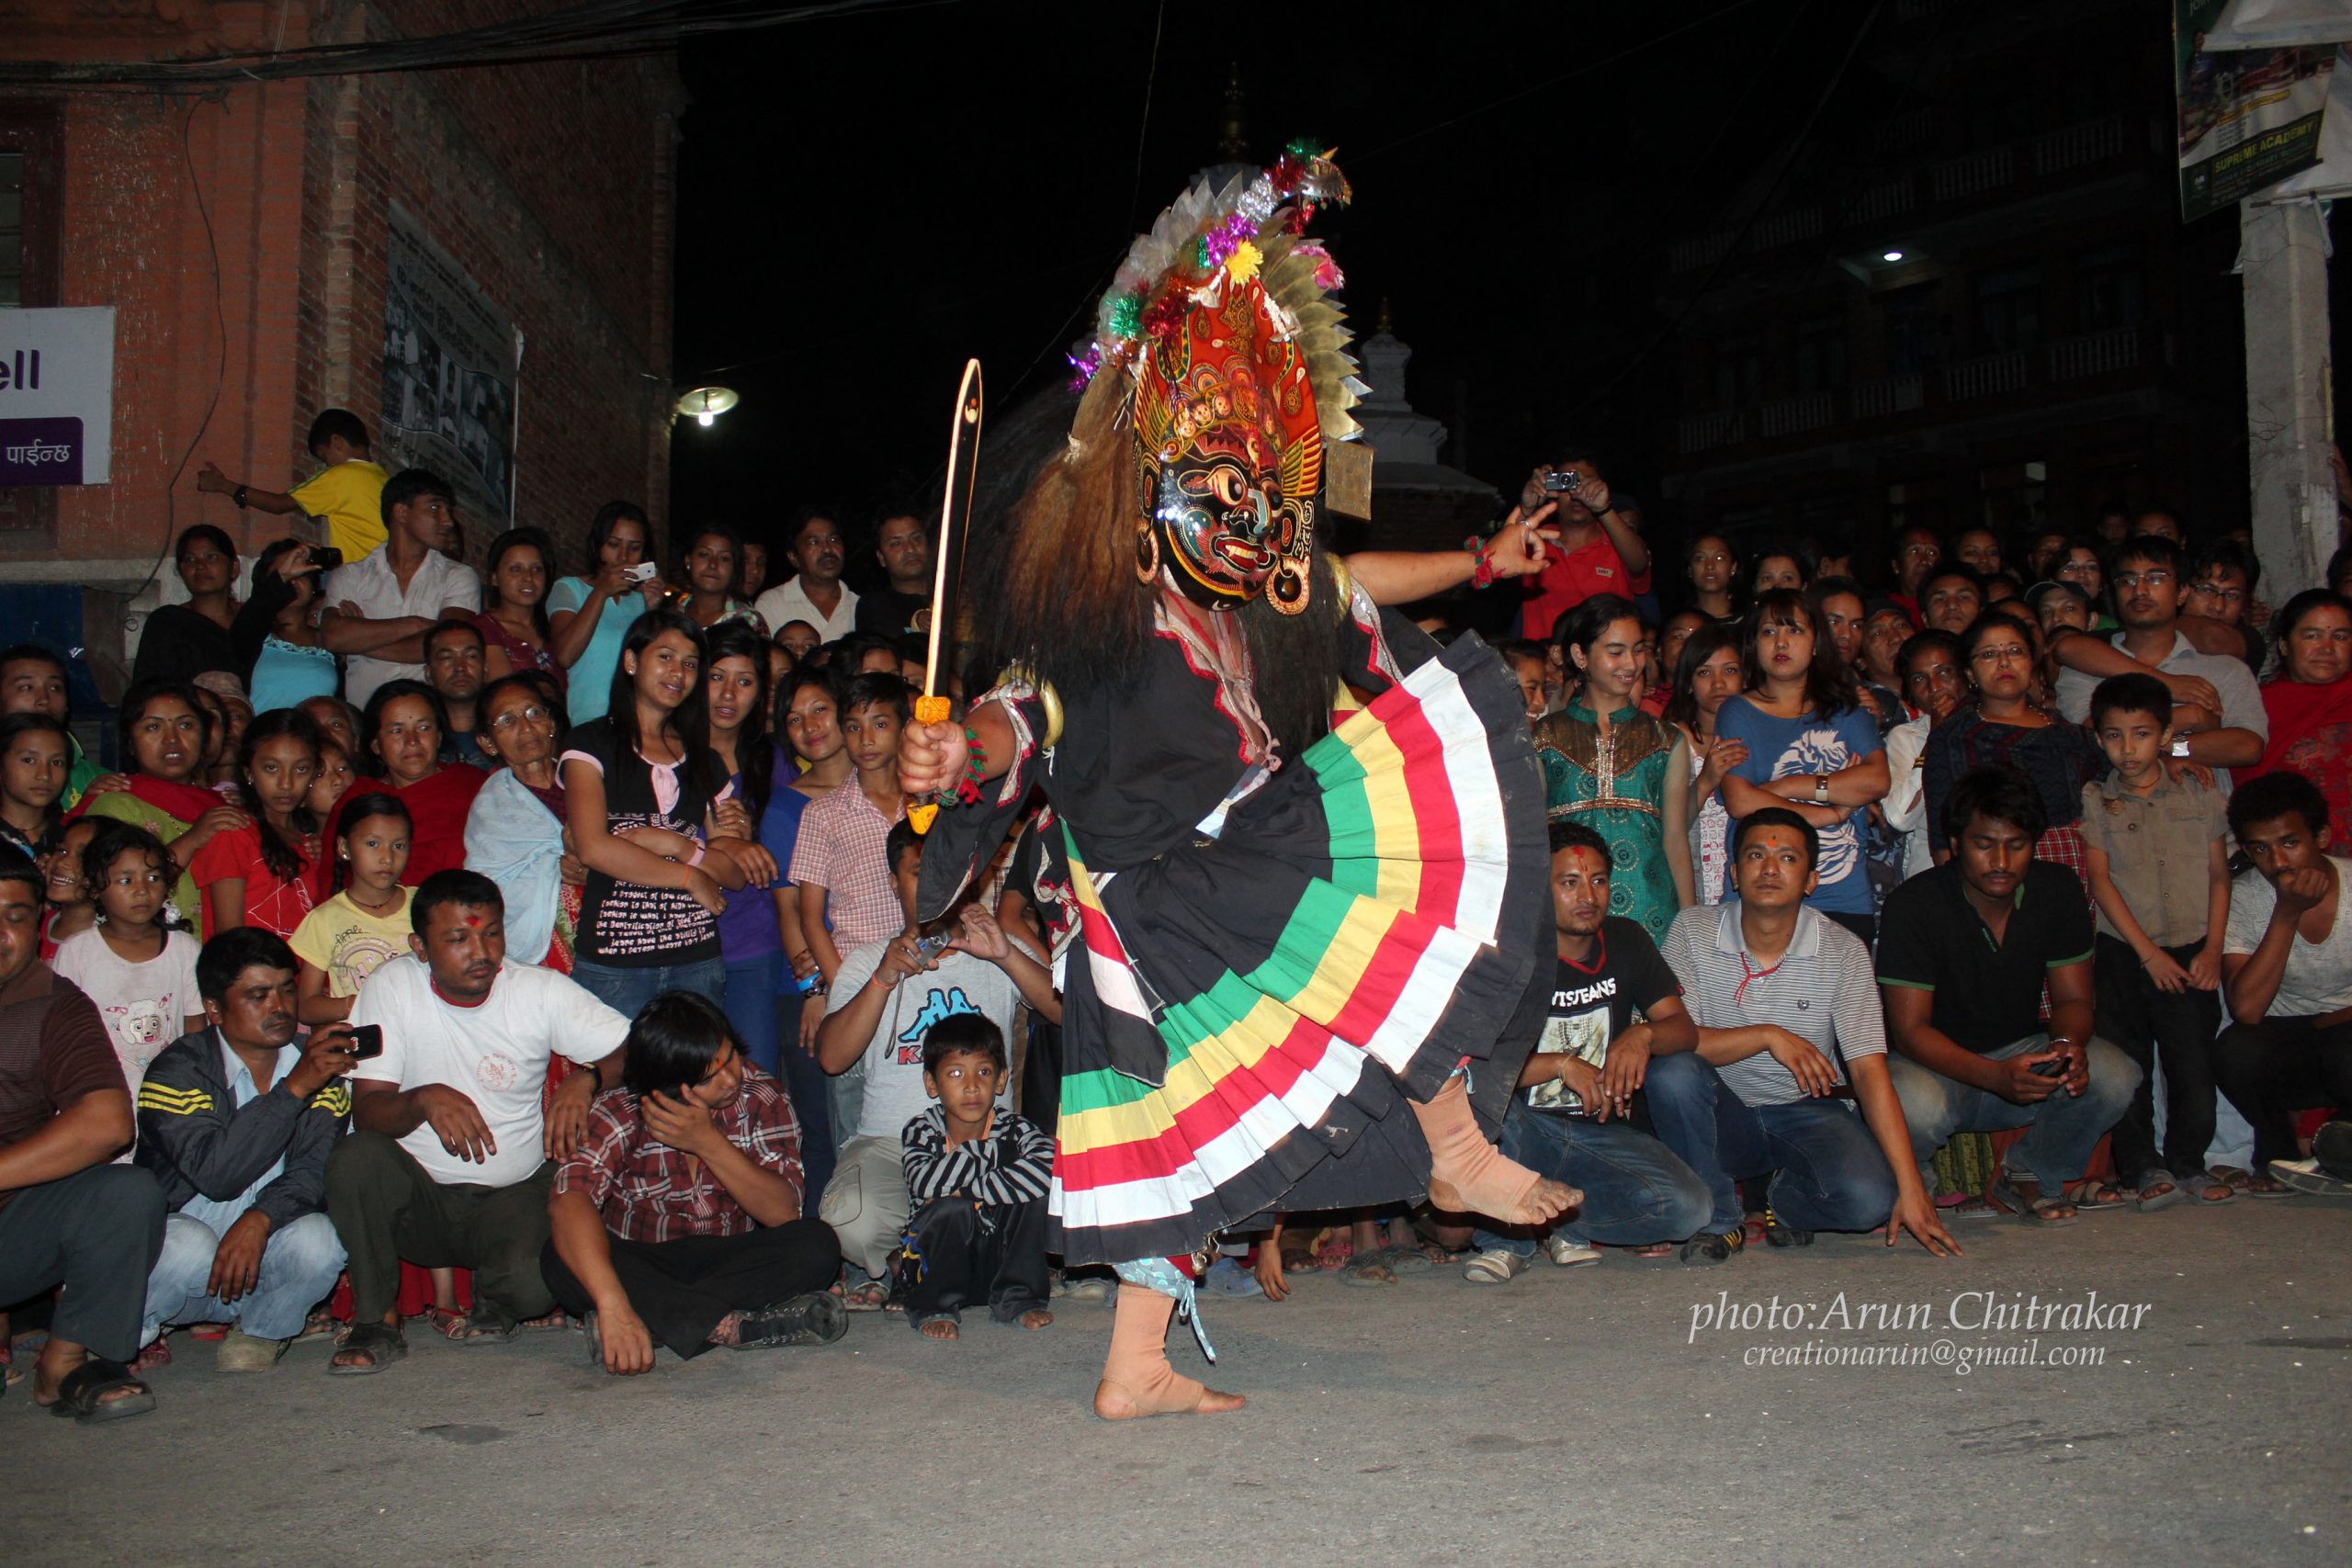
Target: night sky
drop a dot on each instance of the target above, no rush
(865, 202)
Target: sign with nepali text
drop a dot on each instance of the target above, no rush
(57, 396)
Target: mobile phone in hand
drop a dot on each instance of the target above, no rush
(2054, 1068)
(367, 1040)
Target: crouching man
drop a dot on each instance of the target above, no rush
(236, 1123)
(677, 1220)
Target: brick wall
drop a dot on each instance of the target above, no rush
(550, 184)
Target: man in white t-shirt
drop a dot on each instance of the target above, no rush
(379, 608)
(2286, 969)
(883, 1001)
(815, 592)
(450, 1160)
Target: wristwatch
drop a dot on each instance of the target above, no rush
(2180, 745)
(1821, 789)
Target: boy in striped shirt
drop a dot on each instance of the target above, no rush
(977, 1175)
(1789, 1026)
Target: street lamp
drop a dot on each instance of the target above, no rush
(706, 404)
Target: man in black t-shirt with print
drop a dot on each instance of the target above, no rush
(1614, 1004)
(1964, 953)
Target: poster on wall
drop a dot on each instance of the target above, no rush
(2248, 118)
(57, 396)
(452, 361)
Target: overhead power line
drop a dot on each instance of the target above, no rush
(595, 28)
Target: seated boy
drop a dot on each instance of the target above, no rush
(2287, 965)
(1964, 952)
(677, 1220)
(1616, 1014)
(886, 995)
(1789, 1047)
(2161, 877)
(976, 1174)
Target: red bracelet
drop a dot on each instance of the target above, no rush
(976, 768)
(1482, 575)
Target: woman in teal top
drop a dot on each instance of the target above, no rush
(1622, 772)
(589, 617)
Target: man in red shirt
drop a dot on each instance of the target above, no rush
(67, 1214)
(1600, 548)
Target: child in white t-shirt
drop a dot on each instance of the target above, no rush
(140, 973)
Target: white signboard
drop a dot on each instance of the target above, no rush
(57, 396)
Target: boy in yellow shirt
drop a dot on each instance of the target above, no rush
(346, 492)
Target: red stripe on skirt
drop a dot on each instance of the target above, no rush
(1374, 997)
(1435, 812)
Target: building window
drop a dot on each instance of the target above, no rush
(1821, 353)
(28, 242)
(2108, 290)
(1912, 342)
(1739, 372)
(2016, 498)
(2009, 308)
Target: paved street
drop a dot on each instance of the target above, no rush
(1567, 1416)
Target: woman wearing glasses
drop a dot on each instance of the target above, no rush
(514, 829)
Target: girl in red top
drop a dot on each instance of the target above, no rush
(404, 723)
(272, 873)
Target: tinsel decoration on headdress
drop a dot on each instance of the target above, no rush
(1237, 372)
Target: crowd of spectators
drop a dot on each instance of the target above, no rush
(522, 950)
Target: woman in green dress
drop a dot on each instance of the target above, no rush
(1620, 772)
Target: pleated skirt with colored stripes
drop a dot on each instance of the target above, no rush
(1244, 1014)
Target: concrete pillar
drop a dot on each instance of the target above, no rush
(2289, 423)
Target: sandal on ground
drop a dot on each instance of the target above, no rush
(1972, 1207)
(2214, 1182)
(2090, 1195)
(463, 1328)
(1378, 1267)
(2263, 1185)
(555, 1322)
(82, 1394)
(158, 1354)
(1651, 1251)
(2159, 1190)
(320, 1325)
(1331, 1254)
(380, 1342)
(866, 1295)
(2041, 1211)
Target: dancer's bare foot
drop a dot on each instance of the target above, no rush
(1468, 1174)
(940, 1328)
(1172, 1395)
(1036, 1317)
(1536, 1201)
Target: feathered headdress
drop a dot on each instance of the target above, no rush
(1236, 372)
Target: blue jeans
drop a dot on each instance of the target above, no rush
(811, 1091)
(626, 989)
(764, 1012)
(299, 1267)
(752, 1005)
(2067, 1127)
(1828, 1173)
(1635, 1191)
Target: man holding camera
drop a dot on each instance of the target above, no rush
(451, 1155)
(1964, 952)
(1600, 549)
(235, 1121)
